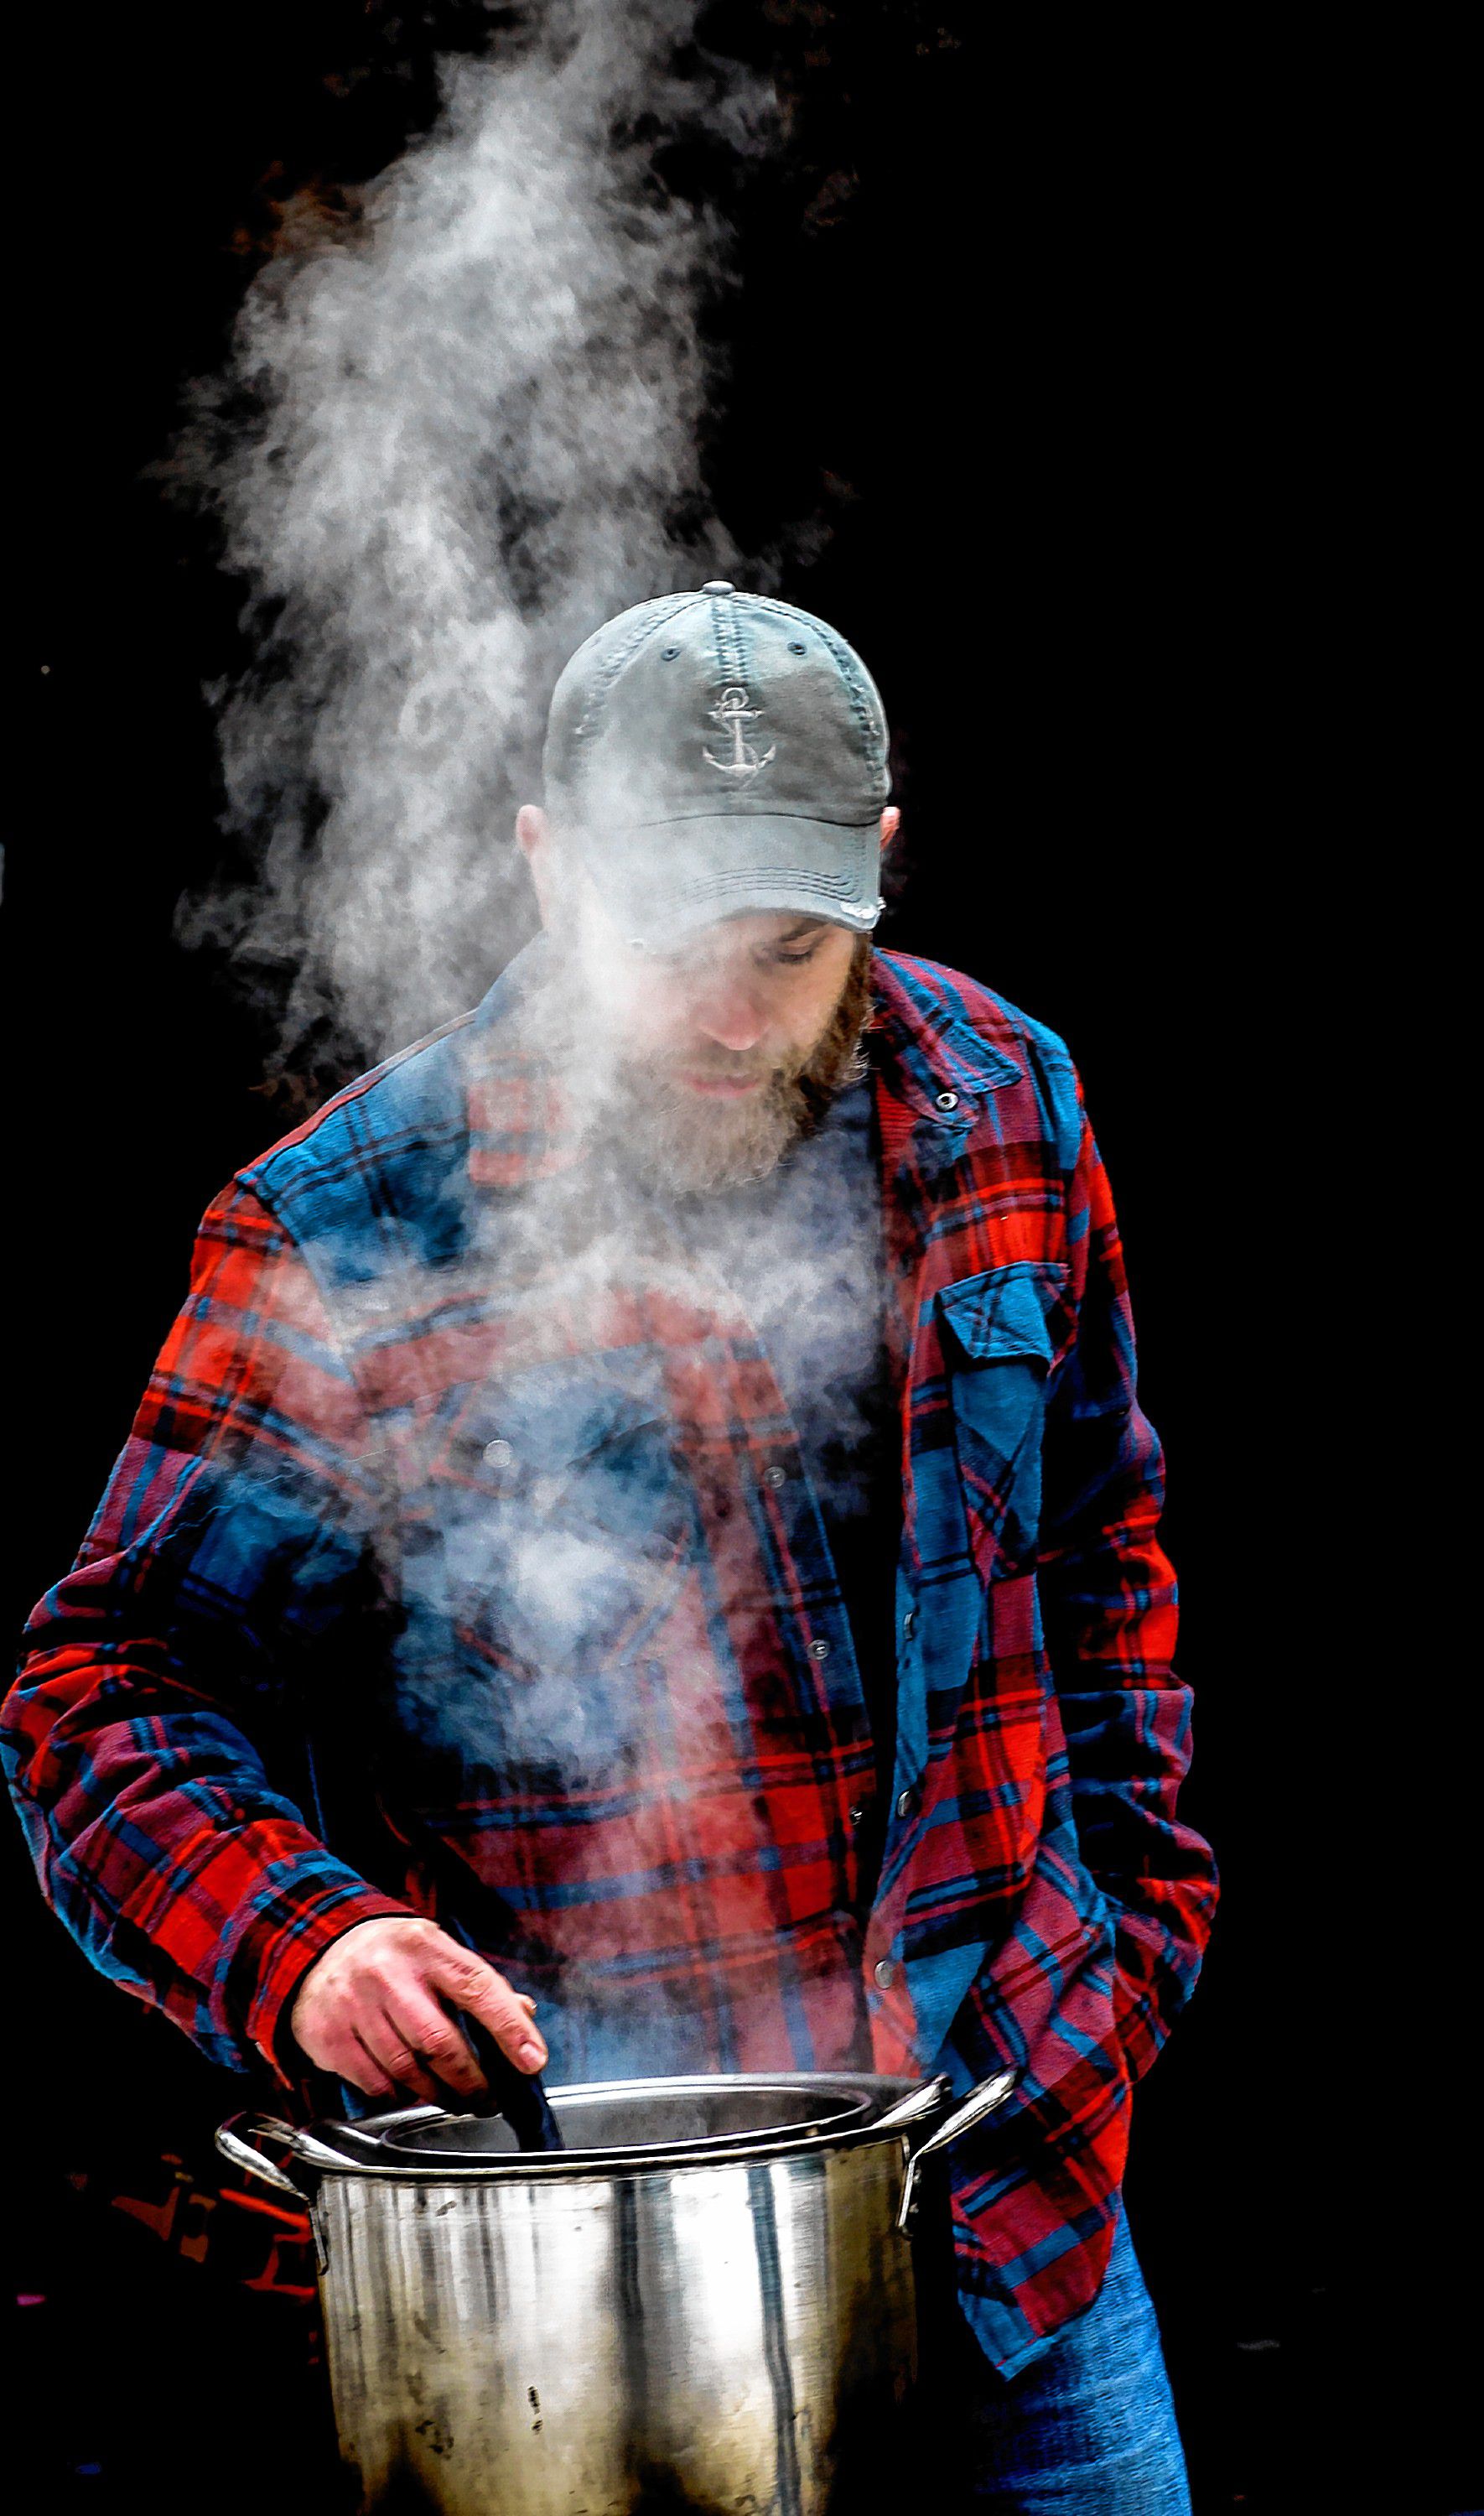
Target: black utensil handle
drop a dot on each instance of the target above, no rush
(519, 2095)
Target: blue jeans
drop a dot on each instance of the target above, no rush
(1089, 2429)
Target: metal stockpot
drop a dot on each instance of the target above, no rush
(708, 2300)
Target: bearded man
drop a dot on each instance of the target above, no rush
(643, 1522)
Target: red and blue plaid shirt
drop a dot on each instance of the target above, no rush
(449, 1569)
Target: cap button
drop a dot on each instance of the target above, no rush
(718, 585)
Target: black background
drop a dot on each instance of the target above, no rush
(1058, 336)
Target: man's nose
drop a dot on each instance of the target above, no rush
(729, 1012)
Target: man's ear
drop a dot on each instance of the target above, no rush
(533, 835)
(890, 824)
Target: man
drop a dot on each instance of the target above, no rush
(643, 1525)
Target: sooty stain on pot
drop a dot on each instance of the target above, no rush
(663, 2492)
(534, 2400)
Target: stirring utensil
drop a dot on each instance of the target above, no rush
(518, 2095)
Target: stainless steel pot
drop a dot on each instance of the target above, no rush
(708, 2300)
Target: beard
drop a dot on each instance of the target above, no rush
(669, 1138)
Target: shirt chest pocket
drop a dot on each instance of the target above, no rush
(563, 1515)
(998, 1352)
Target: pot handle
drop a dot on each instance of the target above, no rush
(981, 2100)
(263, 2146)
(918, 2102)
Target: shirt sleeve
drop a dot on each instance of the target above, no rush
(1109, 1595)
(233, 1534)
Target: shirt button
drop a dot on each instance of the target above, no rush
(907, 1803)
(946, 1101)
(886, 1973)
(499, 1454)
(819, 1651)
(858, 1814)
(775, 1476)
(909, 1623)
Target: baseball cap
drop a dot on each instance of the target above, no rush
(715, 753)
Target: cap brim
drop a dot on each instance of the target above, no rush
(665, 881)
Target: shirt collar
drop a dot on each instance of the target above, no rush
(930, 1056)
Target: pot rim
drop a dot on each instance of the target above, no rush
(314, 2145)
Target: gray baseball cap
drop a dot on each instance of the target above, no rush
(716, 753)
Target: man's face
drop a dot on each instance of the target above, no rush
(703, 1063)
(727, 1007)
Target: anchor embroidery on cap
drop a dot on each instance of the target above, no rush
(732, 711)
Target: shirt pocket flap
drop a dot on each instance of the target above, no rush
(1001, 1316)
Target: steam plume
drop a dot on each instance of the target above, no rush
(473, 436)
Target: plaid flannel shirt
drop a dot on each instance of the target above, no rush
(295, 1678)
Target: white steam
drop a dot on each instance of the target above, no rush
(474, 438)
(472, 435)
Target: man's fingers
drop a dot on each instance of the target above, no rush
(336, 2049)
(361, 2068)
(436, 2039)
(405, 2069)
(472, 1985)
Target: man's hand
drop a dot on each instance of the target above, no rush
(372, 2011)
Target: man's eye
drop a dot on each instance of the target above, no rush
(796, 956)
